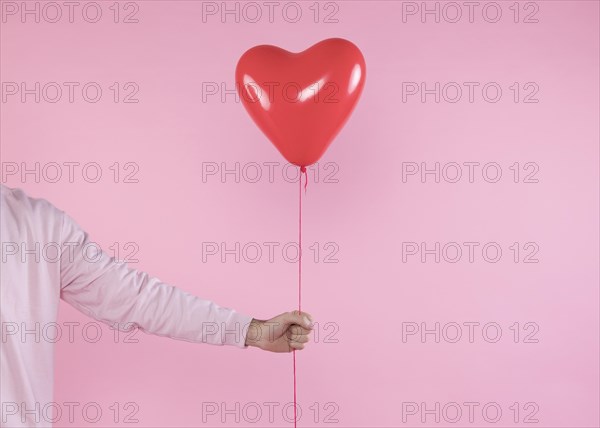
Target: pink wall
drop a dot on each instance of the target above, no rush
(361, 368)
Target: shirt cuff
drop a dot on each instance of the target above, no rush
(236, 329)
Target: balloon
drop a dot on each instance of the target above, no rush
(302, 100)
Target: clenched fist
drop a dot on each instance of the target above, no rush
(284, 333)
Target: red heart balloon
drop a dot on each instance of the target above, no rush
(302, 100)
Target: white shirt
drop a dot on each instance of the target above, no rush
(46, 256)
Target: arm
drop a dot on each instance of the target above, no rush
(116, 294)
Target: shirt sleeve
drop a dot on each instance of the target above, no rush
(113, 293)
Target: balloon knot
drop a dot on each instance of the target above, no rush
(303, 169)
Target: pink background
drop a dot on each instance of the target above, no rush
(368, 213)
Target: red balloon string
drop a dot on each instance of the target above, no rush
(302, 170)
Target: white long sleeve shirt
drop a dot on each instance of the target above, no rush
(46, 256)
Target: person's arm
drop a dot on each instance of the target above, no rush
(118, 295)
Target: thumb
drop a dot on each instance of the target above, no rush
(296, 317)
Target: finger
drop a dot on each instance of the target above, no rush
(300, 318)
(299, 339)
(295, 333)
(297, 346)
(308, 320)
(298, 330)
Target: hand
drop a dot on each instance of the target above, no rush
(284, 333)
